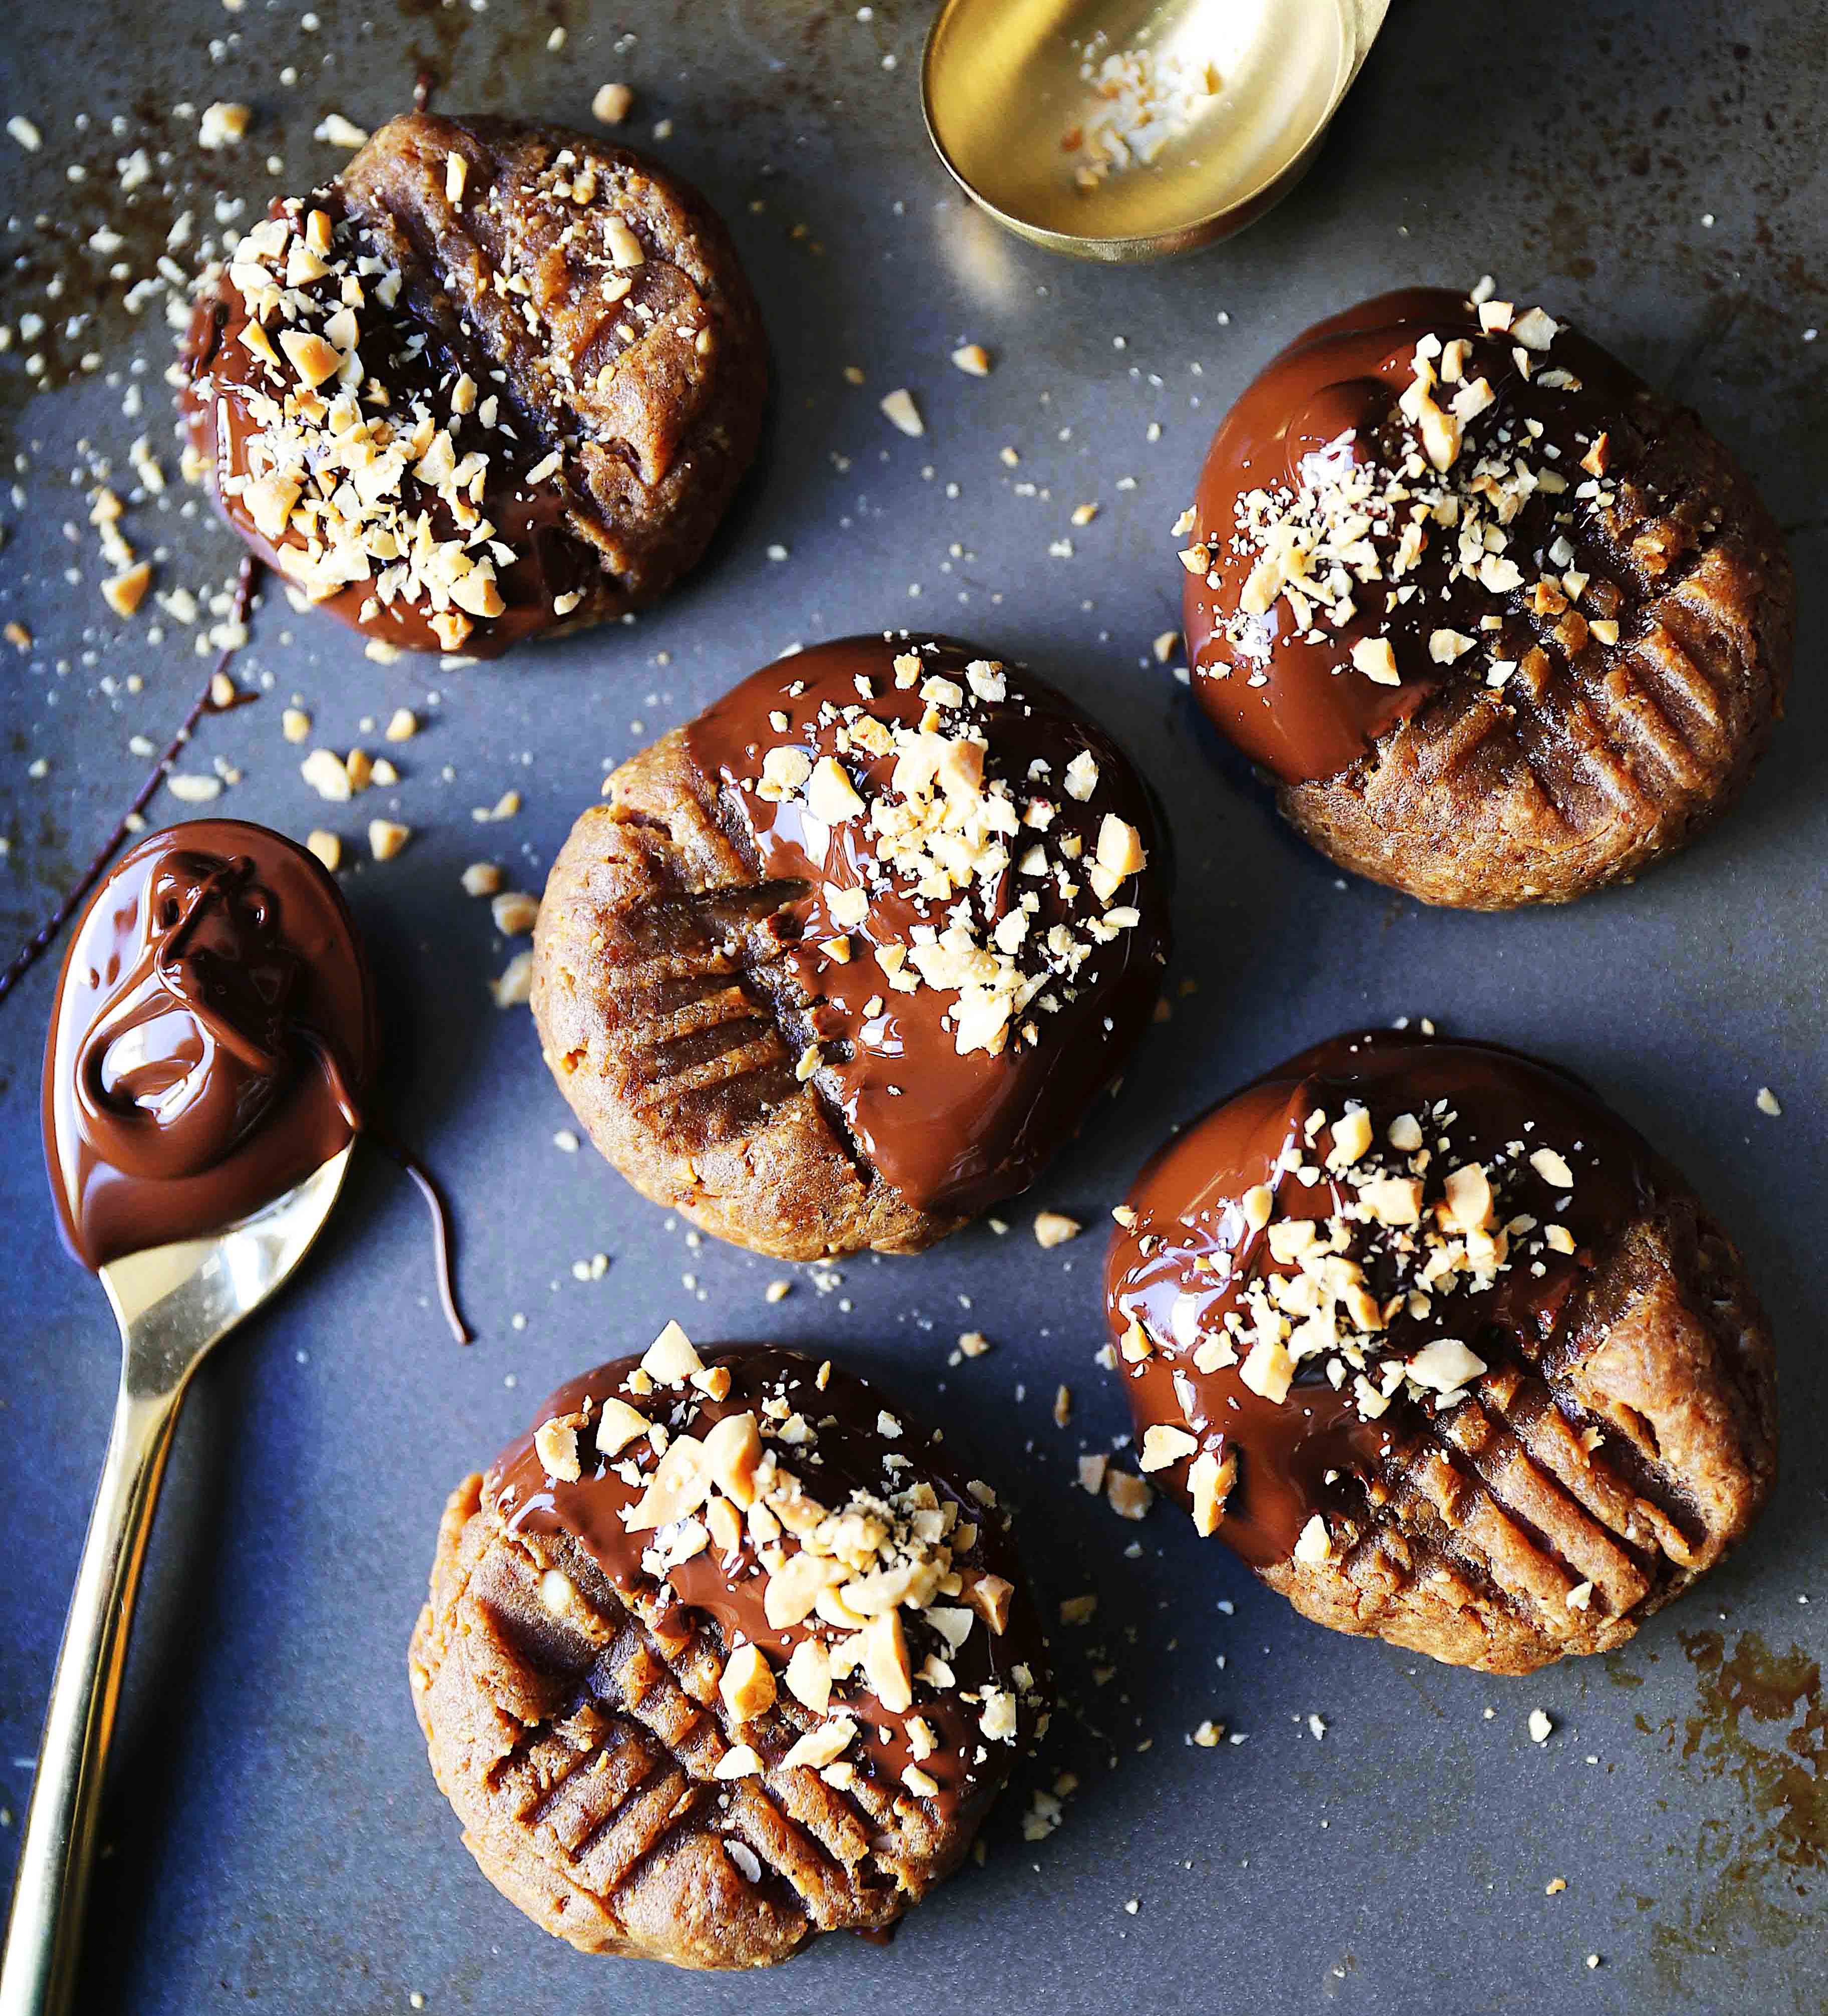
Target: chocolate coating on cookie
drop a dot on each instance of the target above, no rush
(963, 944)
(493, 380)
(1504, 623)
(773, 1593)
(844, 960)
(1443, 1350)
(212, 1031)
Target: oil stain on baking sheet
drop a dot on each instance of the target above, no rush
(1762, 1727)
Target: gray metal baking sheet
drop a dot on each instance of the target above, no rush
(274, 1838)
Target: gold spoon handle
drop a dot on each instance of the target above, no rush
(44, 1933)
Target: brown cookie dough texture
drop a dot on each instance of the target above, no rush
(845, 960)
(1505, 624)
(722, 1655)
(493, 381)
(1443, 1350)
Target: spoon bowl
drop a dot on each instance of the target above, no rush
(1006, 85)
(172, 1303)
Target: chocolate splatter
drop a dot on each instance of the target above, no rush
(1763, 1727)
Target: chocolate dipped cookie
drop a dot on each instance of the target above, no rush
(844, 961)
(494, 381)
(1443, 1350)
(723, 1653)
(1503, 623)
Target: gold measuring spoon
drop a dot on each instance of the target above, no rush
(172, 1303)
(1129, 129)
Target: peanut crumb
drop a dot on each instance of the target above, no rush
(124, 592)
(515, 913)
(327, 775)
(900, 410)
(612, 104)
(514, 987)
(1126, 1494)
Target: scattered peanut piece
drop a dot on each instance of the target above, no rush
(295, 725)
(612, 104)
(515, 913)
(341, 132)
(386, 837)
(972, 359)
(327, 847)
(1054, 1228)
(124, 592)
(402, 724)
(1126, 1494)
(482, 878)
(900, 410)
(223, 125)
(514, 988)
(324, 772)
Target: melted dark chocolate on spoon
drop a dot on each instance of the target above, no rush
(213, 1041)
(213, 1036)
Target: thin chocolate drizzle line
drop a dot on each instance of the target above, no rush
(441, 1230)
(435, 1203)
(45, 936)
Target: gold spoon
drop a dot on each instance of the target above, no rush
(172, 1303)
(1234, 97)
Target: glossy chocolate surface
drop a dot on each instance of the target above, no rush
(847, 1454)
(212, 1037)
(1191, 1245)
(537, 558)
(1290, 695)
(952, 1133)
